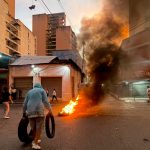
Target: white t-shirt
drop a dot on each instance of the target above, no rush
(54, 93)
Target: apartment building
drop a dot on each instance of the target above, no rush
(138, 43)
(52, 33)
(15, 39)
(139, 16)
(137, 46)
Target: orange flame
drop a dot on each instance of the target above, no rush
(69, 108)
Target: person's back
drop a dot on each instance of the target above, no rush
(35, 101)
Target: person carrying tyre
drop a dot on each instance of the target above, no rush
(34, 104)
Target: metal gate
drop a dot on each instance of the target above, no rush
(23, 85)
(51, 83)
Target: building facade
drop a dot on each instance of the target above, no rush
(136, 77)
(139, 16)
(52, 33)
(51, 72)
(15, 39)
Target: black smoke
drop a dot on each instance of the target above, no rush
(101, 37)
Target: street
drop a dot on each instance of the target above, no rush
(113, 125)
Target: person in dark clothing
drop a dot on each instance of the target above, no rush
(5, 100)
(13, 93)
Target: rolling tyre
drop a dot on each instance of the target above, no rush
(23, 134)
(50, 125)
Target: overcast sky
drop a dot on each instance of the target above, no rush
(75, 10)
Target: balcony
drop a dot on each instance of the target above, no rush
(12, 27)
(12, 35)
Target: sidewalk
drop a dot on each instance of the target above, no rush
(133, 99)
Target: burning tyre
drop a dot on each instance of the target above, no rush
(50, 125)
(23, 134)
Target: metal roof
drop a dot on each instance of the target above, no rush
(69, 54)
(31, 60)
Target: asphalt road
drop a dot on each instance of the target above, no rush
(112, 125)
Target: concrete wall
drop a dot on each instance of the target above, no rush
(65, 39)
(28, 43)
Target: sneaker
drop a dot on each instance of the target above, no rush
(38, 142)
(6, 117)
(35, 146)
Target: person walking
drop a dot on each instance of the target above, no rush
(34, 104)
(5, 100)
(54, 95)
(148, 93)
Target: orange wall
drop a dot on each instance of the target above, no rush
(39, 28)
(11, 7)
(63, 38)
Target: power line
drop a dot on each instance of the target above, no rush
(61, 5)
(40, 2)
(66, 37)
(46, 7)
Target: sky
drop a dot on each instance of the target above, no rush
(74, 9)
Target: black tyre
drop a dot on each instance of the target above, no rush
(50, 125)
(23, 134)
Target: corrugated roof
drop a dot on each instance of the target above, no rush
(29, 60)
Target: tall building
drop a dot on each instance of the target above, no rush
(15, 39)
(139, 15)
(137, 46)
(52, 33)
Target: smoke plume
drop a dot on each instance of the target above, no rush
(101, 36)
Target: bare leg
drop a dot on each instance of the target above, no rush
(7, 108)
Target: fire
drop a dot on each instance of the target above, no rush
(69, 108)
